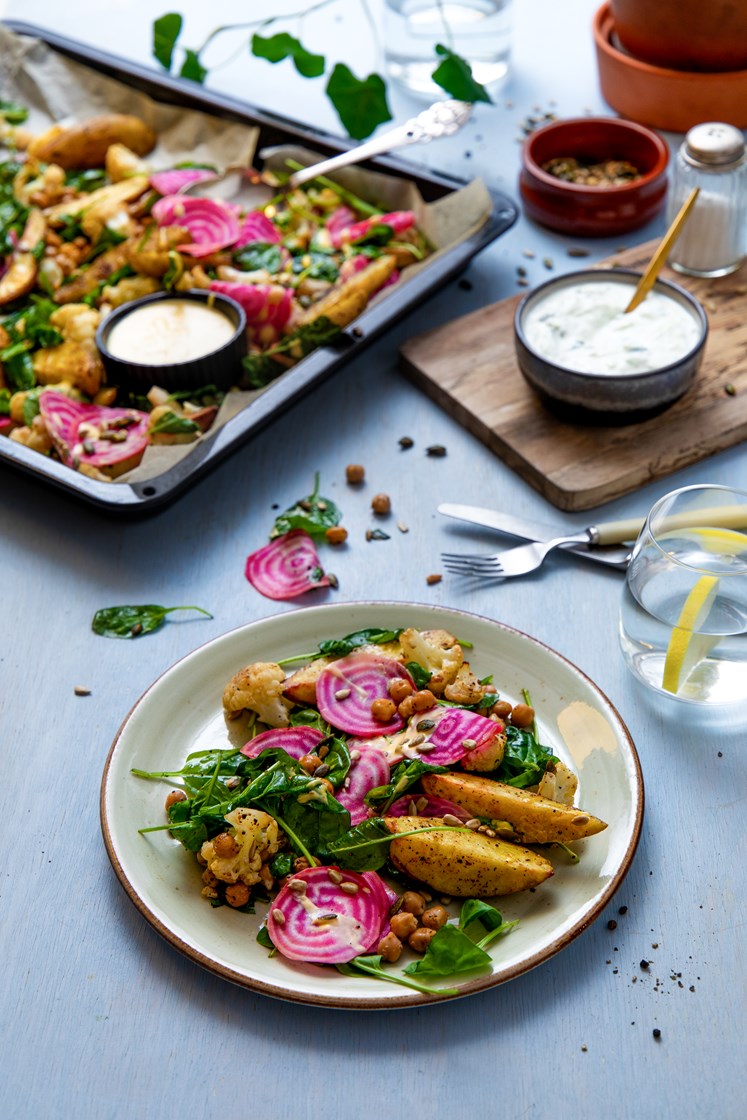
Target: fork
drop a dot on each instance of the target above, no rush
(513, 561)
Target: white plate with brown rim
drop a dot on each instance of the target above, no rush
(182, 712)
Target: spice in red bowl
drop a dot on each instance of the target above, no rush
(561, 186)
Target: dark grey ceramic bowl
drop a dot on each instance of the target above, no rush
(221, 367)
(608, 398)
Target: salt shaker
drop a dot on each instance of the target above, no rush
(712, 243)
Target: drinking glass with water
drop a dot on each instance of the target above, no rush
(683, 620)
(477, 30)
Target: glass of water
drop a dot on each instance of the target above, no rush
(683, 620)
(477, 30)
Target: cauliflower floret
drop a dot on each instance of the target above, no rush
(465, 688)
(437, 650)
(255, 836)
(76, 359)
(558, 783)
(258, 687)
(34, 436)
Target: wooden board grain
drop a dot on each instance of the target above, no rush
(469, 367)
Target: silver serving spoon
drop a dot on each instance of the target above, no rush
(444, 118)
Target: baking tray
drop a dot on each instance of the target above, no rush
(125, 498)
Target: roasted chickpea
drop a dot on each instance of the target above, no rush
(300, 863)
(381, 503)
(383, 710)
(174, 798)
(502, 709)
(403, 924)
(225, 846)
(390, 948)
(522, 715)
(423, 700)
(398, 689)
(209, 878)
(435, 917)
(354, 474)
(336, 534)
(406, 707)
(421, 939)
(309, 762)
(237, 894)
(413, 903)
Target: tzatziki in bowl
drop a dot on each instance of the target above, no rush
(586, 357)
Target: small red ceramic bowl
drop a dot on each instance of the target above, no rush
(588, 211)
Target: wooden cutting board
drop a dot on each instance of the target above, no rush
(469, 367)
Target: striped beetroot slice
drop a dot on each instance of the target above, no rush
(328, 922)
(454, 729)
(369, 770)
(286, 567)
(295, 741)
(347, 688)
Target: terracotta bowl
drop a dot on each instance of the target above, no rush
(593, 211)
(673, 100)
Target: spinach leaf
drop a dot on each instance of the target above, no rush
(262, 368)
(338, 760)
(475, 910)
(314, 515)
(419, 674)
(86, 181)
(166, 31)
(170, 423)
(376, 235)
(339, 647)
(524, 760)
(27, 329)
(448, 952)
(372, 966)
(5, 402)
(316, 266)
(364, 847)
(281, 865)
(259, 255)
(132, 621)
(263, 938)
(404, 775)
(309, 717)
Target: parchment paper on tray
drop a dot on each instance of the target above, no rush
(57, 89)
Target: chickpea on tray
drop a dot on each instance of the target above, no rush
(87, 225)
(380, 781)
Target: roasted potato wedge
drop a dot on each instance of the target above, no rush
(85, 281)
(85, 145)
(19, 278)
(104, 199)
(535, 819)
(464, 864)
(345, 303)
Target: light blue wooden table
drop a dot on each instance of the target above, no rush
(101, 1019)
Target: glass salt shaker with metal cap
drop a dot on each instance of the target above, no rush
(712, 243)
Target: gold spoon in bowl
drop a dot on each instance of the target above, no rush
(655, 265)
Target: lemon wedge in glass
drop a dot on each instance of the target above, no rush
(687, 647)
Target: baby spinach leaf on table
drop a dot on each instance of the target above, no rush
(372, 966)
(448, 952)
(524, 760)
(133, 621)
(314, 514)
(166, 31)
